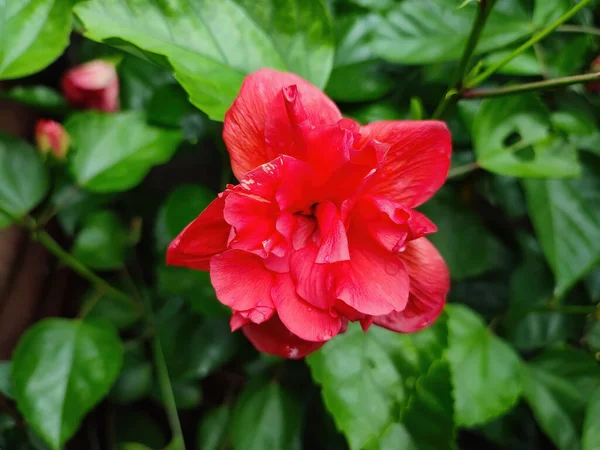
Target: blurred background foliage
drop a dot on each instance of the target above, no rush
(511, 364)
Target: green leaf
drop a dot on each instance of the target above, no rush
(366, 378)
(212, 431)
(512, 137)
(430, 31)
(23, 179)
(138, 426)
(139, 80)
(526, 64)
(194, 347)
(61, 369)
(591, 431)
(212, 45)
(34, 33)
(135, 379)
(558, 386)
(181, 207)
(567, 222)
(187, 394)
(531, 286)
(114, 152)
(103, 306)
(485, 370)
(547, 11)
(265, 417)
(5, 383)
(468, 248)
(102, 242)
(41, 97)
(358, 74)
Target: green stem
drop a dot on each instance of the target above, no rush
(462, 170)
(164, 381)
(508, 90)
(578, 29)
(53, 247)
(485, 7)
(531, 42)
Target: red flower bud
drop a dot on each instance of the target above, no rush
(51, 136)
(594, 68)
(93, 85)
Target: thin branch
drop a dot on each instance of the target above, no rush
(462, 170)
(485, 7)
(578, 29)
(530, 43)
(508, 90)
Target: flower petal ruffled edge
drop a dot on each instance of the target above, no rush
(429, 285)
(417, 163)
(261, 99)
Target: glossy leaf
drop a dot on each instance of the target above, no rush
(105, 307)
(358, 74)
(115, 151)
(5, 383)
(212, 432)
(182, 206)
(23, 179)
(366, 377)
(212, 45)
(138, 81)
(265, 417)
(61, 369)
(430, 31)
(591, 430)
(40, 97)
(567, 222)
(485, 370)
(512, 136)
(34, 33)
(102, 242)
(468, 248)
(558, 386)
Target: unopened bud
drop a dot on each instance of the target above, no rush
(51, 136)
(93, 85)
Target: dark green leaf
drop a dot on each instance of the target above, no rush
(547, 11)
(115, 151)
(485, 370)
(41, 97)
(367, 377)
(429, 31)
(102, 242)
(531, 286)
(61, 369)
(73, 205)
(5, 383)
(168, 106)
(139, 80)
(358, 74)
(558, 387)
(265, 417)
(567, 222)
(187, 394)
(137, 426)
(182, 206)
(379, 111)
(591, 430)
(135, 379)
(34, 33)
(23, 178)
(512, 137)
(468, 248)
(212, 432)
(113, 310)
(213, 45)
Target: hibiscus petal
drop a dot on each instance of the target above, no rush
(429, 285)
(260, 99)
(241, 280)
(274, 338)
(300, 317)
(374, 281)
(417, 162)
(205, 237)
(334, 242)
(313, 282)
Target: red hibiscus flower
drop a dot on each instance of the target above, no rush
(93, 85)
(321, 229)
